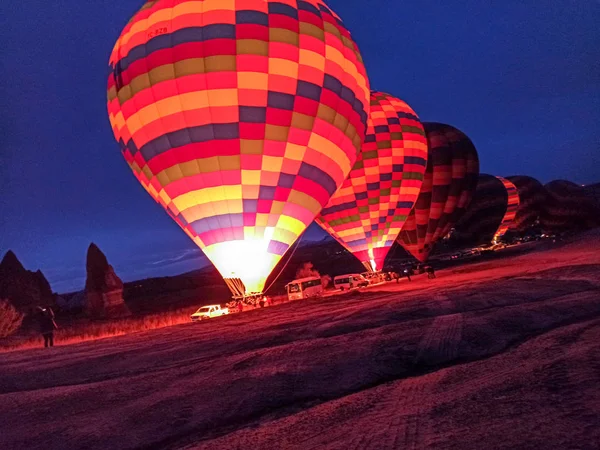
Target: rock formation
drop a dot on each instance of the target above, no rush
(23, 288)
(103, 288)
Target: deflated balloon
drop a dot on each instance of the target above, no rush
(450, 181)
(368, 211)
(532, 199)
(241, 118)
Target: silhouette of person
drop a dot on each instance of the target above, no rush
(47, 325)
(430, 272)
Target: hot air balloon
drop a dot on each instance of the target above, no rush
(508, 221)
(484, 216)
(532, 198)
(241, 118)
(368, 211)
(450, 182)
(569, 208)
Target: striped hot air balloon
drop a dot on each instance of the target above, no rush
(508, 221)
(368, 211)
(532, 199)
(241, 118)
(569, 208)
(484, 216)
(450, 181)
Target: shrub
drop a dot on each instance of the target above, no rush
(10, 318)
(308, 270)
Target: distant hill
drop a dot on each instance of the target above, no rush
(593, 190)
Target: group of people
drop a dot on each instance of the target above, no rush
(254, 302)
(409, 272)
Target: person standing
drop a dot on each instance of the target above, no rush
(47, 325)
(407, 273)
(430, 272)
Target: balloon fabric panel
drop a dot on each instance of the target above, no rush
(241, 118)
(508, 220)
(448, 187)
(569, 208)
(366, 214)
(484, 216)
(532, 199)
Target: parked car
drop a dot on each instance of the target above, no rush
(373, 277)
(350, 281)
(209, 312)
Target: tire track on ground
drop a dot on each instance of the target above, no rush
(401, 413)
(441, 341)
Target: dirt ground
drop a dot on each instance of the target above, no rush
(498, 354)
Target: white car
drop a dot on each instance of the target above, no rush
(350, 281)
(209, 312)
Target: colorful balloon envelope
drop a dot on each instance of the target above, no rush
(532, 199)
(368, 211)
(508, 221)
(569, 208)
(450, 181)
(486, 212)
(241, 118)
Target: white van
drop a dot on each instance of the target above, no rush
(350, 281)
(304, 288)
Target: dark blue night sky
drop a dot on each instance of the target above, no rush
(522, 79)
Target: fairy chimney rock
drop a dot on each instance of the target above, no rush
(10, 264)
(23, 288)
(103, 288)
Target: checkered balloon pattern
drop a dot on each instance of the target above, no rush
(508, 221)
(569, 208)
(368, 211)
(532, 198)
(450, 181)
(484, 216)
(241, 118)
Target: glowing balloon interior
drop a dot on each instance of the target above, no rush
(368, 211)
(241, 118)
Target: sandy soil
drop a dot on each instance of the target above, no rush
(496, 354)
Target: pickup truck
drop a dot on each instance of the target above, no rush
(209, 312)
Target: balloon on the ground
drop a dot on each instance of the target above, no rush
(569, 208)
(450, 181)
(508, 221)
(241, 118)
(366, 214)
(484, 216)
(532, 199)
